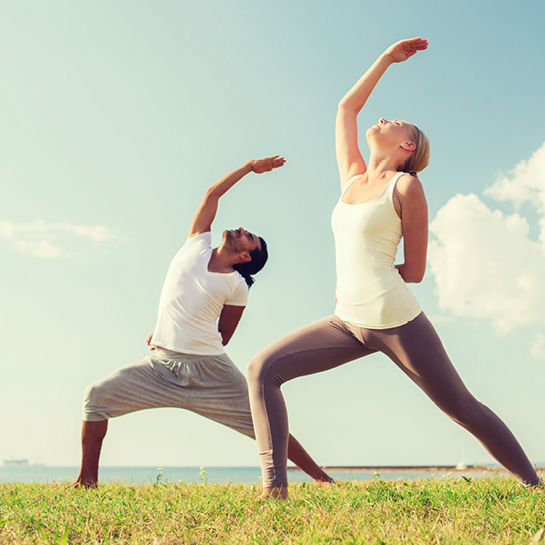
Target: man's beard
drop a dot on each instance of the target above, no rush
(232, 241)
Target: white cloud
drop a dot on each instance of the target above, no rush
(96, 234)
(484, 262)
(47, 240)
(42, 248)
(525, 183)
(538, 347)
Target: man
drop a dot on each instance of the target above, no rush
(203, 298)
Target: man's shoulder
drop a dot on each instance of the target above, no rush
(199, 238)
(239, 294)
(199, 243)
(194, 250)
(239, 282)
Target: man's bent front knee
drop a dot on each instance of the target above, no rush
(92, 410)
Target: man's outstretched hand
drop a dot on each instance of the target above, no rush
(267, 164)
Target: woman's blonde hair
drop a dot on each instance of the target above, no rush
(420, 157)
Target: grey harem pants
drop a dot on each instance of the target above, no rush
(211, 386)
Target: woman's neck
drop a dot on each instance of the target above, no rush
(381, 167)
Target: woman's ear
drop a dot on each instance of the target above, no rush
(409, 146)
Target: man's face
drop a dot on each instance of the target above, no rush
(240, 240)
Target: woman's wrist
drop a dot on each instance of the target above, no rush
(386, 59)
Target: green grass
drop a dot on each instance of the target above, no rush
(439, 511)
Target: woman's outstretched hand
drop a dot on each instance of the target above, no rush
(267, 164)
(404, 49)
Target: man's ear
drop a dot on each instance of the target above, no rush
(245, 257)
(409, 146)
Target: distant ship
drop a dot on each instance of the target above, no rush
(15, 463)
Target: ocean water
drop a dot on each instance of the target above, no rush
(147, 475)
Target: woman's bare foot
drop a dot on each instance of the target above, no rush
(275, 492)
(81, 482)
(323, 478)
(325, 484)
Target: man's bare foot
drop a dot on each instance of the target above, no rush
(276, 492)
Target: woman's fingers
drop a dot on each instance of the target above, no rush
(405, 49)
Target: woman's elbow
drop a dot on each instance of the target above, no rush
(346, 108)
(416, 278)
(418, 275)
(411, 275)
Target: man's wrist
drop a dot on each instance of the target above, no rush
(248, 166)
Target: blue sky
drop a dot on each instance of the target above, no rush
(116, 117)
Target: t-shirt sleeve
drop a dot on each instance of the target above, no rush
(240, 295)
(202, 238)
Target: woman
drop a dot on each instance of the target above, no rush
(381, 201)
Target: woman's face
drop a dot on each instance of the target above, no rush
(390, 132)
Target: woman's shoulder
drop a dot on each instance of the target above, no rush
(408, 185)
(409, 193)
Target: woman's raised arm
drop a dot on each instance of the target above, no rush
(349, 158)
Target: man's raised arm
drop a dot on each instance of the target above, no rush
(202, 221)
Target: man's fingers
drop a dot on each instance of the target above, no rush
(268, 163)
(278, 161)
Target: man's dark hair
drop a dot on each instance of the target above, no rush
(259, 258)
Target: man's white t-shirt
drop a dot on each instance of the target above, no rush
(192, 300)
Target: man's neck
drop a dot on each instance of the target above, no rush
(221, 261)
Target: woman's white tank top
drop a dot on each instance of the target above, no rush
(370, 291)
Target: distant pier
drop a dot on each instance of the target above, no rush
(460, 468)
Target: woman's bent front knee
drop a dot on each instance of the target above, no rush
(265, 368)
(255, 371)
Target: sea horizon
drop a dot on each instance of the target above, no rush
(240, 474)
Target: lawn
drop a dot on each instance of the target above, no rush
(439, 511)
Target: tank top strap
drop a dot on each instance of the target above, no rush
(349, 183)
(392, 184)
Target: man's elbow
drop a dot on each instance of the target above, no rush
(225, 337)
(212, 194)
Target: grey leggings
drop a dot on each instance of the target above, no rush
(414, 347)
